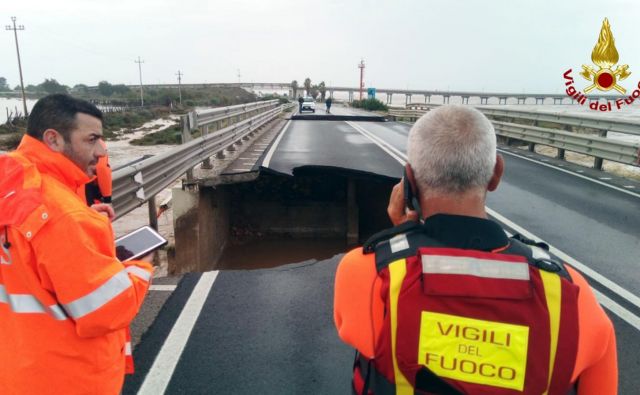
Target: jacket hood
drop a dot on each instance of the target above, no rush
(19, 190)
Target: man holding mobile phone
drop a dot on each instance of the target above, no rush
(446, 303)
(65, 299)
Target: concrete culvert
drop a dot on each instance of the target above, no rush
(275, 219)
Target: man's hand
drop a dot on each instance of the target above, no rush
(398, 212)
(105, 209)
(147, 258)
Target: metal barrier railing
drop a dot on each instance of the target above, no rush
(563, 138)
(138, 183)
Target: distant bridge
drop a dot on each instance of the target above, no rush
(521, 98)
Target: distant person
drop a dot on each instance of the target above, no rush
(446, 303)
(300, 101)
(328, 104)
(65, 300)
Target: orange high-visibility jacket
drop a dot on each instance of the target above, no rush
(359, 317)
(65, 299)
(103, 178)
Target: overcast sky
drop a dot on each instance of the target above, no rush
(510, 46)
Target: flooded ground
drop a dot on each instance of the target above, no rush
(13, 106)
(265, 254)
(122, 152)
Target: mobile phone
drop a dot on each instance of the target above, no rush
(138, 243)
(410, 200)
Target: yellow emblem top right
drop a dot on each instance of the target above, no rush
(605, 56)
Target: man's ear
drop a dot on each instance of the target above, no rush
(54, 140)
(411, 179)
(498, 170)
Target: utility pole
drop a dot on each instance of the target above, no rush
(15, 33)
(139, 62)
(179, 74)
(239, 76)
(361, 67)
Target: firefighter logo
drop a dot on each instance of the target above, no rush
(605, 56)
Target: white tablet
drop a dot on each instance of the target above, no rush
(138, 243)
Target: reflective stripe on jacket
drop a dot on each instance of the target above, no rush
(65, 300)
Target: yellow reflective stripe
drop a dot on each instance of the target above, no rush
(553, 295)
(397, 272)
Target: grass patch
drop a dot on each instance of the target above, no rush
(9, 142)
(171, 135)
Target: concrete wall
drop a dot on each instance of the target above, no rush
(201, 223)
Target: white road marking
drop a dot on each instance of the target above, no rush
(162, 287)
(574, 174)
(165, 363)
(395, 154)
(267, 159)
(614, 307)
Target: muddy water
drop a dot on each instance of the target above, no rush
(265, 254)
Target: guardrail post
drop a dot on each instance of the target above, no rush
(532, 146)
(206, 164)
(153, 213)
(597, 162)
(186, 137)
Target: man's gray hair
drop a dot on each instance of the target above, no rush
(452, 149)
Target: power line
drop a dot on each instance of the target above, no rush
(179, 74)
(139, 62)
(15, 33)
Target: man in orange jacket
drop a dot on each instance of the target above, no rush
(65, 299)
(439, 305)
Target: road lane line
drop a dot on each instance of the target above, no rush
(267, 158)
(162, 287)
(161, 371)
(618, 310)
(614, 307)
(386, 147)
(572, 173)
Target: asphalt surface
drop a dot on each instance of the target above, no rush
(271, 331)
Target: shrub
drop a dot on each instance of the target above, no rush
(370, 105)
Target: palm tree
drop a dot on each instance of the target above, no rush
(323, 90)
(294, 88)
(307, 85)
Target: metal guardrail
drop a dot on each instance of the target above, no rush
(135, 184)
(217, 114)
(599, 147)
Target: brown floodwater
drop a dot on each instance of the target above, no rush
(263, 254)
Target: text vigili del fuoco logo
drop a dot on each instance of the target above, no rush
(603, 76)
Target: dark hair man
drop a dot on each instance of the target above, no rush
(451, 305)
(300, 101)
(66, 301)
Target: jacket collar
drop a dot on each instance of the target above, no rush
(466, 232)
(52, 163)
